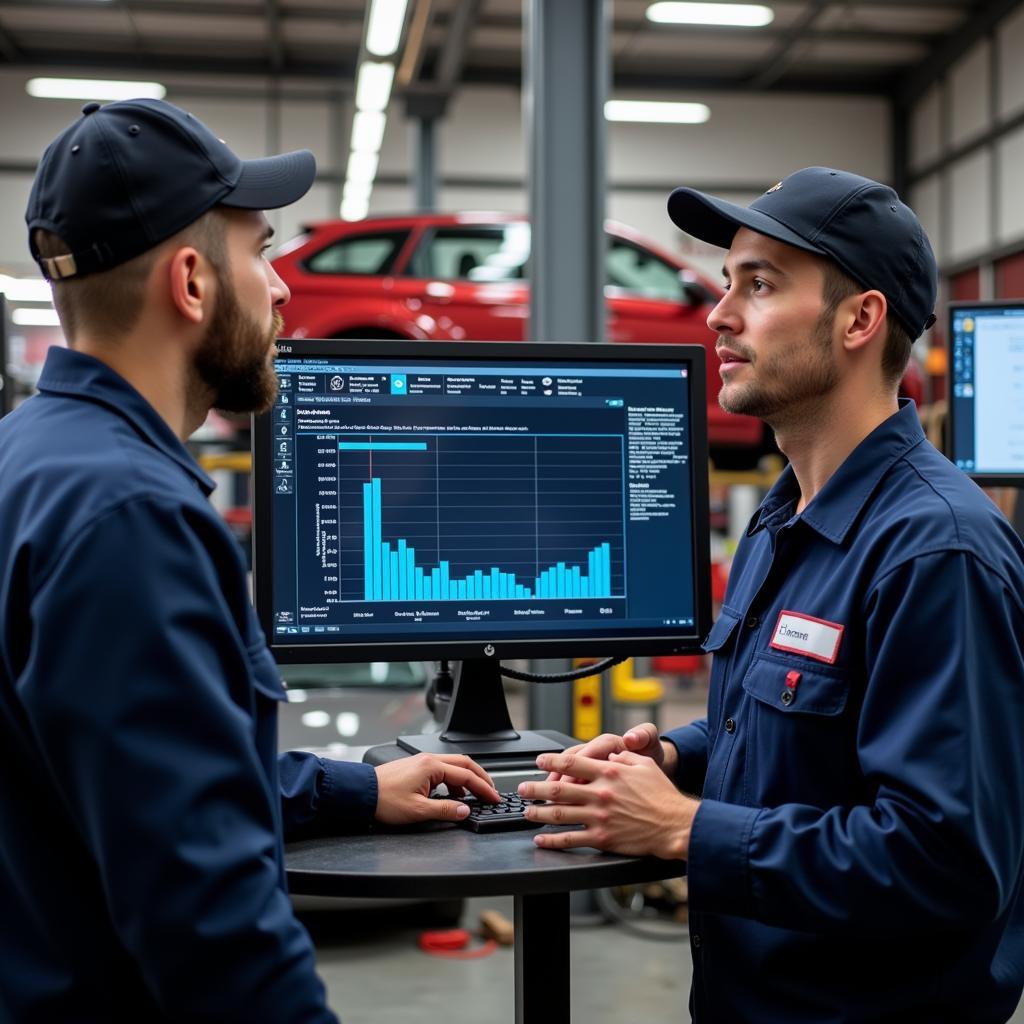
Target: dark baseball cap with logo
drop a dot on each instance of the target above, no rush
(129, 175)
(858, 223)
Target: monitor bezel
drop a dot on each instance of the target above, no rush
(984, 479)
(494, 649)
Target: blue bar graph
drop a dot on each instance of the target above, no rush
(390, 572)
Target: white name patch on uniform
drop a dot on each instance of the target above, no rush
(804, 634)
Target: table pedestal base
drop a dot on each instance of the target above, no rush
(542, 958)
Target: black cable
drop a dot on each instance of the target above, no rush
(564, 677)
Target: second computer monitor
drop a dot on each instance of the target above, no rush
(986, 393)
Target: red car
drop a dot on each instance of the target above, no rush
(457, 276)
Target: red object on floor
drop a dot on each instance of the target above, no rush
(453, 943)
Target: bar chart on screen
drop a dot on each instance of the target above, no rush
(463, 517)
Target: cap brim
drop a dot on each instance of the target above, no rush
(716, 221)
(273, 182)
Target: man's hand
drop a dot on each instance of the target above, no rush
(403, 788)
(641, 739)
(626, 803)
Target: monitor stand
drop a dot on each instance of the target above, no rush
(478, 724)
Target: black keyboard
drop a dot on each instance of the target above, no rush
(505, 816)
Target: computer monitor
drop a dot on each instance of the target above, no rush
(986, 391)
(476, 501)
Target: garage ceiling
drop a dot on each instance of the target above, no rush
(870, 46)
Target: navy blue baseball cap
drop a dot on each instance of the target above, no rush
(856, 222)
(128, 175)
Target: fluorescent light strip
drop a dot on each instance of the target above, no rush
(368, 130)
(354, 208)
(735, 15)
(26, 289)
(387, 17)
(25, 317)
(357, 190)
(656, 112)
(362, 167)
(92, 89)
(373, 85)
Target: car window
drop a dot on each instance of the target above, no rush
(488, 253)
(359, 254)
(636, 270)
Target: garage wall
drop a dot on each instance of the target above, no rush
(750, 142)
(965, 151)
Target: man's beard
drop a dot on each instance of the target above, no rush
(235, 361)
(786, 387)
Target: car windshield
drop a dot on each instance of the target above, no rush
(376, 674)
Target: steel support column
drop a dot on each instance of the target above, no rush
(565, 83)
(424, 168)
(424, 111)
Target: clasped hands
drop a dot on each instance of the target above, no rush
(620, 789)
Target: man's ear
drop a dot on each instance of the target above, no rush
(192, 284)
(865, 317)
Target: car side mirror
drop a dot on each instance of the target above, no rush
(694, 292)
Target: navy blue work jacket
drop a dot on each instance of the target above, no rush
(142, 804)
(858, 851)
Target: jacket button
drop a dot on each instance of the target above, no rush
(786, 697)
(730, 725)
(752, 622)
(695, 939)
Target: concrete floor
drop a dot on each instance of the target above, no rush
(374, 970)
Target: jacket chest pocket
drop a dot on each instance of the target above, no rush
(268, 694)
(720, 644)
(801, 743)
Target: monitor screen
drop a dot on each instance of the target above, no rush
(482, 500)
(986, 392)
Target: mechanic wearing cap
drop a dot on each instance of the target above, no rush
(855, 838)
(143, 805)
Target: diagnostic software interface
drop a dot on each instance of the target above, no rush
(987, 378)
(461, 497)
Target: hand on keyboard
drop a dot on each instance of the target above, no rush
(504, 816)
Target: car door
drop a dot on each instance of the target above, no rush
(469, 279)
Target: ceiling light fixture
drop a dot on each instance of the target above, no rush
(25, 317)
(92, 89)
(387, 18)
(373, 86)
(26, 289)
(360, 190)
(734, 15)
(354, 208)
(362, 167)
(368, 130)
(656, 112)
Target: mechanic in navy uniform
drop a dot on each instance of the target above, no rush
(143, 804)
(855, 834)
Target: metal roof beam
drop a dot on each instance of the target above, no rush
(274, 37)
(785, 53)
(453, 56)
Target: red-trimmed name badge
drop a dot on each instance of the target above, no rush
(804, 634)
